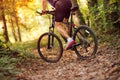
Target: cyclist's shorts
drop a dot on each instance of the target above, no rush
(62, 10)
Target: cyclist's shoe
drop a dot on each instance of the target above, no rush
(69, 44)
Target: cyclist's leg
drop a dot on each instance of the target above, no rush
(64, 33)
(59, 17)
(61, 30)
(63, 11)
(66, 25)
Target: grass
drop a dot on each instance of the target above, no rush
(13, 54)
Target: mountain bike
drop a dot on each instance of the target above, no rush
(50, 47)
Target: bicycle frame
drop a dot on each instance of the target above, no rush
(70, 24)
(79, 34)
(51, 28)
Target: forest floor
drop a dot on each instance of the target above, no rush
(105, 66)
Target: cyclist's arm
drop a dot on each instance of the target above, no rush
(44, 5)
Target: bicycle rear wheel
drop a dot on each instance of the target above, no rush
(86, 42)
(50, 47)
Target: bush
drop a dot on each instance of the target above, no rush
(8, 62)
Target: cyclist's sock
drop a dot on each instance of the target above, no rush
(69, 39)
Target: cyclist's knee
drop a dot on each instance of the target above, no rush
(65, 20)
(58, 24)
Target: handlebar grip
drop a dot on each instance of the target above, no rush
(39, 12)
(46, 12)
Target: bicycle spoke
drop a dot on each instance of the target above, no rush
(51, 50)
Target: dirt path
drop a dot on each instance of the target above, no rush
(106, 66)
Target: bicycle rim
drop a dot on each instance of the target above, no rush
(86, 42)
(50, 47)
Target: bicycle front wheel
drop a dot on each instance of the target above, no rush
(50, 47)
(86, 42)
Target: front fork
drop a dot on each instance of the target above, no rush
(51, 37)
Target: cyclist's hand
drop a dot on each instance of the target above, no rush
(44, 12)
(41, 13)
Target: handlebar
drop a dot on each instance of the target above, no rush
(46, 12)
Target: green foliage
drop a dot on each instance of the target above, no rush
(104, 17)
(96, 19)
(24, 49)
(10, 57)
(4, 49)
(7, 67)
(7, 63)
(114, 11)
(112, 1)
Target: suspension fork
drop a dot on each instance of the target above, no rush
(51, 37)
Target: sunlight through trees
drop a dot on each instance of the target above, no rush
(23, 23)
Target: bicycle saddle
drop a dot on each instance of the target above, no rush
(75, 8)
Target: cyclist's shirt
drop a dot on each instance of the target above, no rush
(62, 9)
(52, 2)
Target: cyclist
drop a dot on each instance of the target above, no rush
(62, 13)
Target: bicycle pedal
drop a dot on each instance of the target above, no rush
(72, 47)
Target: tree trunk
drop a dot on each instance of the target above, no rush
(18, 28)
(92, 5)
(79, 16)
(105, 6)
(5, 26)
(16, 22)
(13, 30)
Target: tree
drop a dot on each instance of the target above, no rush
(93, 11)
(4, 22)
(9, 8)
(13, 28)
(79, 14)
